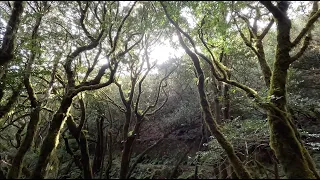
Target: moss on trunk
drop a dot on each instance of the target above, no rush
(52, 139)
(306, 153)
(209, 119)
(287, 148)
(283, 138)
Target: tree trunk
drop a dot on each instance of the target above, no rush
(210, 121)
(109, 148)
(216, 171)
(265, 68)
(104, 152)
(197, 161)
(216, 101)
(99, 147)
(232, 173)
(82, 141)
(226, 102)
(17, 162)
(284, 138)
(76, 159)
(128, 142)
(52, 139)
(125, 158)
(127, 150)
(36, 106)
(7, 48)
(109, 144)
(85, 159)
(225, 93)
(214, 129)
(127, 123)
(5, 109)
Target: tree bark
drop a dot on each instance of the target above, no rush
(208, 117)
(226, 102)
(127, 123)
(7, 48)
(216, 101)
(109, 149)
(283, 140)
(15, 170)
(223, 169)
(52, 139)
(109, 143)
(125, 158)
(7, 53)
(265, 68)
(284, 137)
(99, 147)
(75, 159)
(85, 159)
(83, 143)
(17, 162)
(210, 121)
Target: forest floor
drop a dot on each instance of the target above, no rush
(160, 162)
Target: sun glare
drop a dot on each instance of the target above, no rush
(162, 53)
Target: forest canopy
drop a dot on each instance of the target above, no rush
(159, 89)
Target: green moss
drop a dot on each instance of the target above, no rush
(287, 148)
(284, 137)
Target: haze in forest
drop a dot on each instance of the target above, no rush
(159, 89)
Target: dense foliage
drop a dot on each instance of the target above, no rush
(150, 89)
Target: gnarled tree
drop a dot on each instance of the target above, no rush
(284, 139)
(15, 170)
(7, 55)
(71, 88)
(131, 105)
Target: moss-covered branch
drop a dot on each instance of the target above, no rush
(211, 123)
(15, 171)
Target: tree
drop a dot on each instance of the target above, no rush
(137, 76)
(35, 104)
(7, 55)
(91, 66)
(282, 128)
(208, 117)
(71, 89)
(255, 40)
(283, 134)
